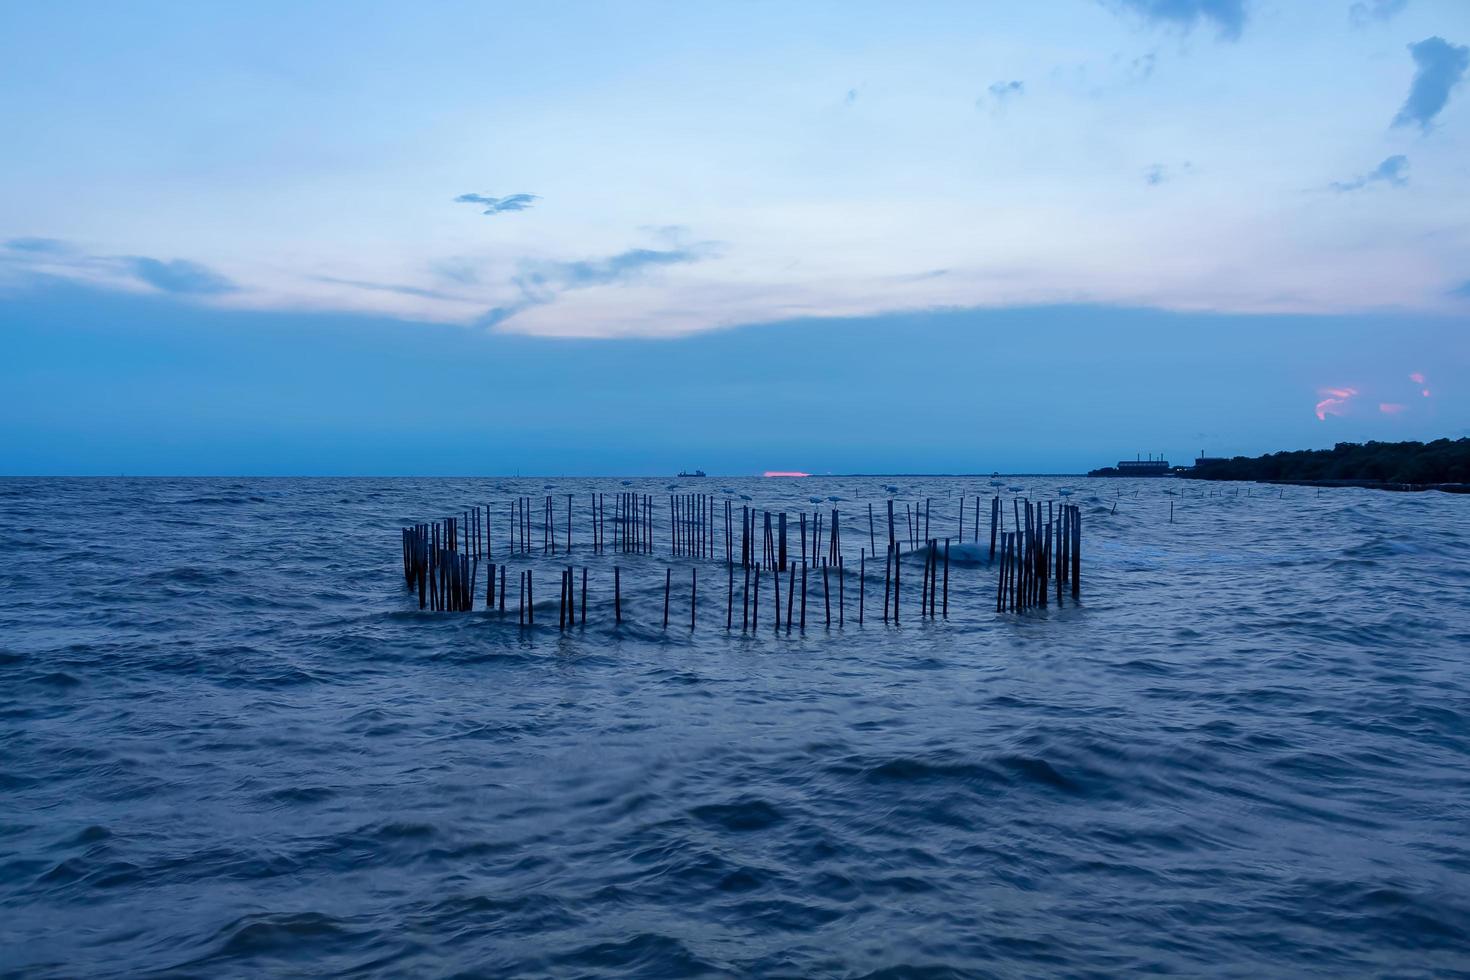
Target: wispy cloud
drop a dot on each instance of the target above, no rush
(1000, 94)
(499, 205)
(1143, 66)
(1365, 11)
(1002, 91)
(1392, 171)
(1334, 401)
(614, 268)
(1391, 408)
(1159, 173)
(388, 287)
(41, 258)
(541, 282)
(1439, 67)
(1228, 16)
(40, 246)
(462, 271)
(179, 276)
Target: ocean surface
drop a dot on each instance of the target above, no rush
(232, 745)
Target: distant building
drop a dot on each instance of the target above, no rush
(1137, 467)
(1143, 467)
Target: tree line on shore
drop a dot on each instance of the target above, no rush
(1440, 461)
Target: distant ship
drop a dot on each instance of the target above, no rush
(689, 476)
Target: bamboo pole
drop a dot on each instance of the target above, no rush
(946, 576)
(755, 610)
(777, 576)
(803, 598)
(826, 594)
(887, 560)
(745, 602)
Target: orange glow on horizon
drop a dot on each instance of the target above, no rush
(784, 473)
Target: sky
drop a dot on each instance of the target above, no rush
(632, 238)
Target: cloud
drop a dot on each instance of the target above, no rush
(1334, 401)
(495, 317)
(1158, 173)
(1001, 91)
(614, 268)
(40, 246)
(498, 205)
(671, 235)
(850, 97)
(540, 283)
(1390, 171)
(1439, 67)
(1418, 378)
(178, 276)
(1390, 408)
(43, 258)
(388, 287)
(1143, 66)
(1227, 15)
(1363, 11)
(456, 270)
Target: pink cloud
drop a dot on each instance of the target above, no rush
(1390, 408)
(784, 473)
(1334, 401)
(1417, 377)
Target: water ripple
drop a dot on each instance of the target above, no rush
(231, 744)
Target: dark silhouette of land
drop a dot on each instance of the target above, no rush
(1442, 464)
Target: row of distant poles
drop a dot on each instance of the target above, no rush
(442, 559)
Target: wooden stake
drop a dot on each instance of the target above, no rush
(790, 593)
(803, 598)
(826, 594)
(755, 610)
(887, 560)
(777, 576)
(946, 577)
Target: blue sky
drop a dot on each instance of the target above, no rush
(973, 236)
